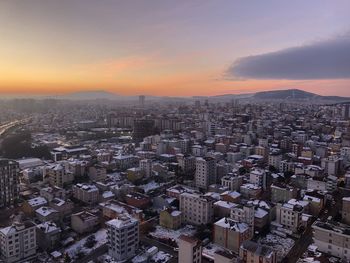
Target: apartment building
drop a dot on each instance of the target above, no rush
(232, 181)
(170, 218)
(346, 210)
(58, 175)
(9, 182)
(146, 167)
(331, 165)
(230, 233)
(332, 238)
(282, 192)
(275, 159)
(48, 235)
(123, 237)
(18, 242)
(244, 213)
(252, 252)
(97, 173)
(197, 209)
(88, 194)
(84, 222)
(289, 215)
(190, 249)
(257, 177)
(187, 163)
(205, 172)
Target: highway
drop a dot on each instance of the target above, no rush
(5, 127)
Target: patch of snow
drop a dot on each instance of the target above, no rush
(281, 245)
(164, 233)
(101, 239)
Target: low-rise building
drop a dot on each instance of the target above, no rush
(84, 222)
(113, 208)
(64, 207)
(88, 194)
(46, 213)
(48, 235)
(170, 218)
(33, 204)
(252, 252)
(138, 200)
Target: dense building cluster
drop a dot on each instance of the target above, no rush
(178, 182)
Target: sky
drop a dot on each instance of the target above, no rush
(174, 48)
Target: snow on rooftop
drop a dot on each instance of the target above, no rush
(164, 233)
(37, 201)
(232, 224)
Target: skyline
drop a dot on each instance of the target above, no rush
(164, 48)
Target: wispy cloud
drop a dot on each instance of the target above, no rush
(328, 59)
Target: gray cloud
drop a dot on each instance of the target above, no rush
(321, 60)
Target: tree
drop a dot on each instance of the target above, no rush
(67, 258)
(242, 170)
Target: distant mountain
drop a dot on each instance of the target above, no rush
(295, 94)
(286, 94)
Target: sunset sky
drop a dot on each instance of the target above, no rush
(174, 47)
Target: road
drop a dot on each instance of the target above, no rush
(5, 127)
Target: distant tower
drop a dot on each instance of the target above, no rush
(142, 129)
(346, 111)
(142, 100)
(9, 174)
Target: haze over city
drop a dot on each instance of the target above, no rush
(159, 131)
(174, 48)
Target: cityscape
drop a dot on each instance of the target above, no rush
(129, 132)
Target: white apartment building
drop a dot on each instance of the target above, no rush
(190, 250)
(18, 242)
(244, 214)
(331, 165)
(332, 238)
(233, 182)
(58, 175)
(123, 237)
(289, 215)
(275, 160)
(205, 172)
(196, 209)
(146, 167)
(257, 177)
